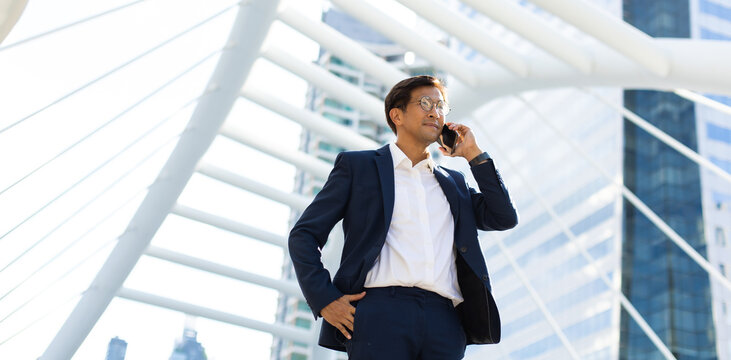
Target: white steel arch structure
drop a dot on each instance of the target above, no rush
(611, 54)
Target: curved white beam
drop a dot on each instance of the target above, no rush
(229, 225)
(295, 201)
(470, 33)
(703, 100)
(535, 30)
(334, 86)
(698, 65)
(334, 133)
(612, 31)
(302, 161)
(344, 47)
(467, 72)
(287, 287)
(285, 331)
(247, 34)
(10, 11)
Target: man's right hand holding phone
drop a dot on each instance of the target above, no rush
(465, 144)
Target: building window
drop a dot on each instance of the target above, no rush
(326, 147)
(720, 237)
(302, 323)
(337, 119)
(337, 104)
(297, 356)
(336, 60)
(718, 133)
(302, 306)
(722, 267)
(351, 79)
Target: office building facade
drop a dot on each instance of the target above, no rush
(684, 307)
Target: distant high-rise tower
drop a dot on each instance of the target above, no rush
(117, 349)
(189, 348)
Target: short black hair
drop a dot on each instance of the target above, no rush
(400, 94)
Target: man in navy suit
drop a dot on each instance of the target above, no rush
(411, 262)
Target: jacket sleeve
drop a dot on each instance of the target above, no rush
(310, 233)
(492, 206)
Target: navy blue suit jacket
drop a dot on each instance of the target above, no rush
(360, 191)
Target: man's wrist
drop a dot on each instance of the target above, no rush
(479, 159)
(472, 153)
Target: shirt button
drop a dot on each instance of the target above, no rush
(484, 277)
(463, 249)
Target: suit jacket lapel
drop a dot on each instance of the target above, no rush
(450, 190)
(384, 163)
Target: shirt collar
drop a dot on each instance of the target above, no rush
(399, 157)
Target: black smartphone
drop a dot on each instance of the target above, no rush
(447, 138)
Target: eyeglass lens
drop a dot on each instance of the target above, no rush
(427, 104)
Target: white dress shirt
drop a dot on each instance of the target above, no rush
(419, 248)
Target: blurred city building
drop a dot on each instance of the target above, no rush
(565, 204)
(188, 348)
(116, 349)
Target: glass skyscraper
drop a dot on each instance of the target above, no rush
(666, 286)
(686, 309)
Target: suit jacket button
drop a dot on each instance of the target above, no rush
(484, 277)
(463, 249)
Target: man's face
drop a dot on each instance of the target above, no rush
(416, 124)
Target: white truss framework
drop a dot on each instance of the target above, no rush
(247, 35)
(622, 56)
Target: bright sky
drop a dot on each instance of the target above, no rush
(39, 72)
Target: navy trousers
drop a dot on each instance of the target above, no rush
(405, 323)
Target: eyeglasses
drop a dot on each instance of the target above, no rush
(427, 104)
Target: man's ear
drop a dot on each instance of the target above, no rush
(395, 114)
